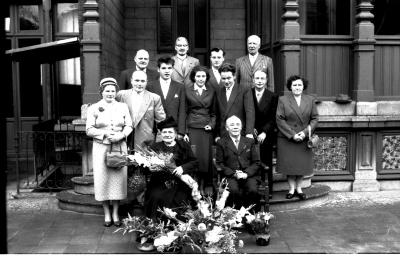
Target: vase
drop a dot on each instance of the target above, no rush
(262, 239)
(146, 247)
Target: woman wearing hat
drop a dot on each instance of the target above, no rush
(165, 189)
(108, 123)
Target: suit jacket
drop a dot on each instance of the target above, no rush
(245, 72)
(124, 81)
(265, 113)
(175, 103)
(103, 117)
(150, 111)
(240, 104)
(246, 158)
(183, 77)
(291, 119)
(201, 109)
(213, 81)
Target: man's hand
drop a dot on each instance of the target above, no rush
(115, 136)
(250, 136)
(297, 137)
(178, 171)
(207, 128)
(179, 136)
(186, 138)
(217, 139)
(261, 137)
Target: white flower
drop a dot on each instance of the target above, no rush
(203, 207)
(170, 213)
(241, 244)
(250, 218)
(202, 227)
(242, 212)
(214, 235)
(165, 240)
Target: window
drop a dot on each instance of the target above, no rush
(28, 17)
(67, 18)
(325, 17)
(188, 18)
(386, 17)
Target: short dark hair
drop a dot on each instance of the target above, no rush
(198, 69)
(216, 49)
(165, 60)
(227, 67)
(294, 78)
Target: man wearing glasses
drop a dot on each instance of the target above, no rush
(183, 62)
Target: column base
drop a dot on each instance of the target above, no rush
(366, 185)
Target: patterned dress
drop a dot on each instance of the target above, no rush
(109, 183)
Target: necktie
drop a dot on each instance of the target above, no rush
(258, 95)
(228, 94)
(237, 143)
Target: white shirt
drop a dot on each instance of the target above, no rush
(259, 94)
(298, 100)
(165, 86)
(236, 141)
(253, 58)
(199, 89)
(216, 74)
(228, 92)
(137, 99)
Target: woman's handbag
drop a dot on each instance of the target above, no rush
(312, 139)
(116, 159)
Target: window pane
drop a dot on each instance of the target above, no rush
(386, 17)
(166, 28)
(28, 17)
(7, 75)
(67, 18)
(327, 17)
(70, 71)
(200, 22)
(183, 18)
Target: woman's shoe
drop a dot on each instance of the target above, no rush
(289, 195)
(107, 223)
(302, 196)
(117, 223)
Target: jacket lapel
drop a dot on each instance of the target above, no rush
(247, 65)
(295, 107)
(196, 96)
(178, 70)
(171, 92)
(143, 107)
(232, 97)
(242, 145)
(264, 101)
(231, 145)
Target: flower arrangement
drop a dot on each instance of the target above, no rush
(209, 228)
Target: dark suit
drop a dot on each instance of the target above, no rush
(265, 111)
(245, 72)
(245, 158)
(175, 103)
(124, 81)
(213, 81)
(240, 104)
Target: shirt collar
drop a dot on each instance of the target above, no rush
(138, 69)
(233, 139)
(253, 56)
(260, 92)
(165, 82)
(198, 88)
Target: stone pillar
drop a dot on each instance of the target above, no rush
(365, 173)
(290, 41)
(91, 50)
(364, 40)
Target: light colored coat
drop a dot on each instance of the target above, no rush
(184, 77)
(245, 72)
(150, 111)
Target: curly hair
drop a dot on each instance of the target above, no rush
(199, 69)
(294, 78)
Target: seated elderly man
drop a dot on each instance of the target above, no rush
(239, 159)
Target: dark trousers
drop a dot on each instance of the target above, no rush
(266, 157)
(242, 192)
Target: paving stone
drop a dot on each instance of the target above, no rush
(55, 240)
(80, 248)
(53, 248)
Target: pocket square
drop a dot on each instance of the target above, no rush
(176, 96)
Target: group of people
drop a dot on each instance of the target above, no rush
(194, 108)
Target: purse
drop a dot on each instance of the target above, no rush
(313, 139)
(116, 159)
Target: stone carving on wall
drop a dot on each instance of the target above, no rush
(331, 154)
(391, 152)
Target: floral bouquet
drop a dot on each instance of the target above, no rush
(258, 225)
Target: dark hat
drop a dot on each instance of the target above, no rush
(167, 123)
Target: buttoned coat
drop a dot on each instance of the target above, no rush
(240, 104)
(245, 72)
(150, 111)
(245, 158)
(213, 81)
(184, 77)
(265, 113)
(124, 81)
(295, 158)
(175, 102)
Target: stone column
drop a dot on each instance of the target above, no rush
(290, 41)
(91, 50)
(364, 40)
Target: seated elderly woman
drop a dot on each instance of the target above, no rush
(165, 189)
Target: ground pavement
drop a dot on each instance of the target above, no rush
(349, 222)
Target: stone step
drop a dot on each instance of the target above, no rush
(83, 185)
(72, 201)
(316, 194)
(280, 182)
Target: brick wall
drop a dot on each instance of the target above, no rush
(112, 29)
(140, 30)
(228, 27)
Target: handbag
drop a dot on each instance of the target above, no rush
(312, 139)
(116, 159)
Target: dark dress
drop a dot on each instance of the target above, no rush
(164, 188)
(295, 158)
(201, 112)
